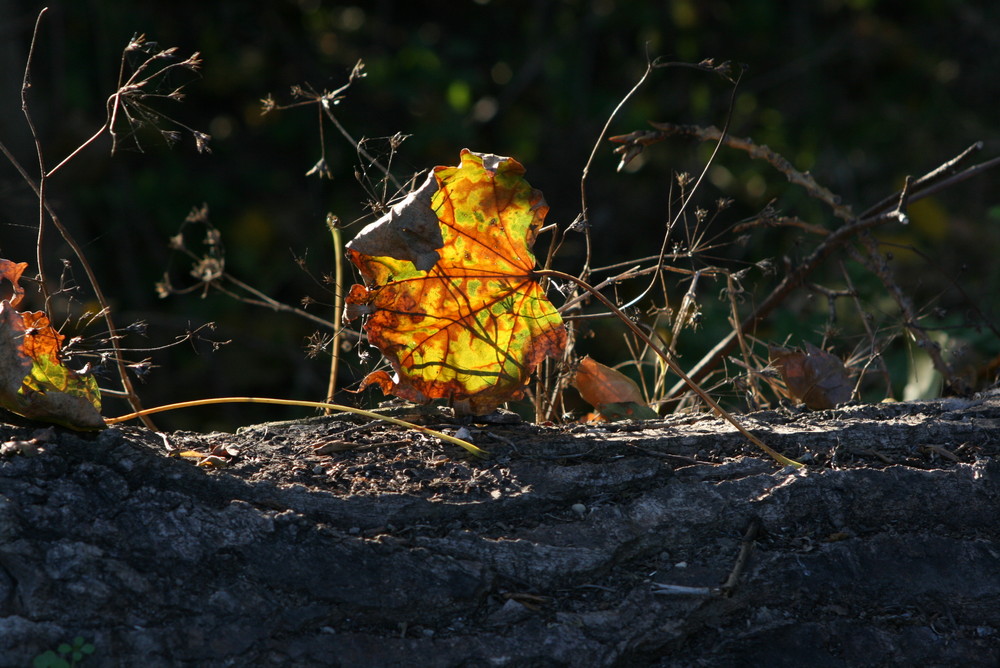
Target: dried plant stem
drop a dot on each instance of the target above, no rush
(878, 265)
(758, 152)
(360, 149)
(685, 201)
(874, 352)
(40, 155)
(790, 282)
(479, 452)
(545, 399)
(326, 101)
(746, 547)
(885, 211)
(674, 367)
(338, 305)
(130, 393)
(43, 208)
(731, 292)
(584, 208)
(261, 299)
(876, 262)
(582, 221)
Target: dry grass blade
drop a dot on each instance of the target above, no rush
(478, 452)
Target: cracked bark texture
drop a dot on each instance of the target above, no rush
(569, 547)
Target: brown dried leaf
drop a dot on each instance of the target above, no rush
(612, 393)
(599, 384)
(410, 231)
(815, 377)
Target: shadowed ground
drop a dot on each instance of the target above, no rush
(670, 543)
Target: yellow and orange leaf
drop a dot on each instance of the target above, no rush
(451, 298)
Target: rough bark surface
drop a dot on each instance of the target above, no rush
(671, 543)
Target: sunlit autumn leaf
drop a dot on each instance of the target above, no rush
(815, 377)
(451, 297)
(33, 380)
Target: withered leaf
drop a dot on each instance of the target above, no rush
(612, 393)
(815, 377)
(34, 382)
(410, 231)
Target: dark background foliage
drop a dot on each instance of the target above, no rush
(860, 93)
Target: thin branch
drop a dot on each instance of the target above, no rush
(25, 85)
(133, 398)
(267, 301)
(874, 352)
(361, 151)
(643, 138)
(43, 208)
(78, 149)
(584, 208)
(936, 175)
(746, 547)
(878, 265)
(694, 189)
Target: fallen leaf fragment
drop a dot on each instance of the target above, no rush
(939, 450)
(625, 411)
(213, 461)
(456, 309)
(814, 377)
(34, 382)
(330, 447)
(28, 447)
(599, 384)
(219, 457)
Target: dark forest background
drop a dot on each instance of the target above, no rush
(860, 93)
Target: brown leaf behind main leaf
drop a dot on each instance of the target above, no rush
(612, 393)
(599, 384)
(815, 377)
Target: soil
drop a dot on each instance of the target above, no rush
(338, 541)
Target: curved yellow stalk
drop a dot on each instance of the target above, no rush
(479, 452)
